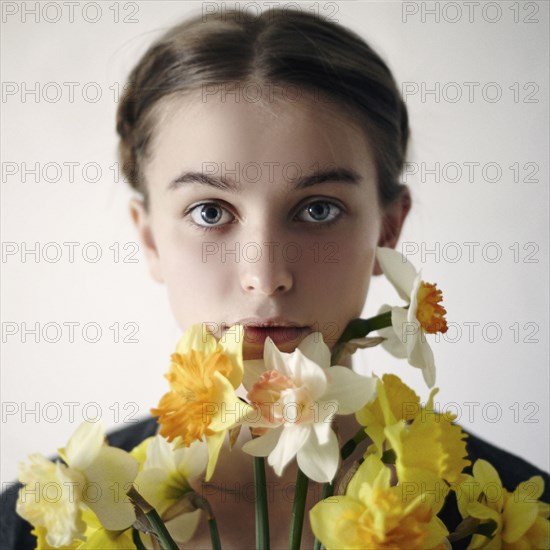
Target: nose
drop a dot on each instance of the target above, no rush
(266, 271)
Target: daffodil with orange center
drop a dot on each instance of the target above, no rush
(202, 402)
(424, 314)
(295, 397)
(375, 515)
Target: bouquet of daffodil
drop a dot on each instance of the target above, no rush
(412, 457)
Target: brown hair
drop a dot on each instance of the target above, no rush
(283, 46)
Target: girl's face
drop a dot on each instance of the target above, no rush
(264, 214)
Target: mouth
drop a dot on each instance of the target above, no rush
(283, 332)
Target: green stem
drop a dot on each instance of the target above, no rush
(298, 509)
(359, 328)
(351, 445)
(202, 503)
(262, 517)
(137, 540)
(328, 491)
(157, 525)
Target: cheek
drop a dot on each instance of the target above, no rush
(195, 278)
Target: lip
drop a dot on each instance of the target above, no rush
(281, 330)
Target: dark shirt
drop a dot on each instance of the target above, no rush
(15, 531)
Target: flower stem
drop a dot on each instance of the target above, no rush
(357, 328)
(350, 445)
(203, 504)
(137, 540)
(262, 518)
(157, 525)
(298, 509)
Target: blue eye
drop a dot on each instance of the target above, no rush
(320, 212)
(210, 214)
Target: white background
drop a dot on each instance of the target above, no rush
(499, 387)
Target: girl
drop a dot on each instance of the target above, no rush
(268, 153)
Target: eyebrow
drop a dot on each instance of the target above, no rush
(337, 175)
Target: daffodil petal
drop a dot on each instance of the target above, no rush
(274, 358)
(183, 527)
(392, 344)
(400, 324)
(139, 452)
(84, 445)
(263, 445)
(108, 540)
(149, 483)
(111, 474)
(366, 473)
(191, 461)
(519, 517)
(198, 338)
(422, 357)
(399, 271)
(349, 390)
(215, 442)
(322, 426)
(290, 442)
(530, 490)
(319, 462)
(323, 517)
(481, 511)
(487, 476)
(315, 349)
(306, 372)
(160, 455)
(228, 408)
(232, 343)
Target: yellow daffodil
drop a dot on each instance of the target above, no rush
(375, 515)
(430, 452)
(202, 402)
(99, 537)
(96, 537)
(54, 495)
(424, 314)
(518, 518)
(165, 479)
(401, 400)
(295, 398)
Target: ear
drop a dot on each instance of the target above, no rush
(393, 218)
(142, 221)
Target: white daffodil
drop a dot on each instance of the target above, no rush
(296, 396)
(165, 479)
(406, 338)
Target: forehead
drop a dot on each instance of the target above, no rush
(281, 135)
